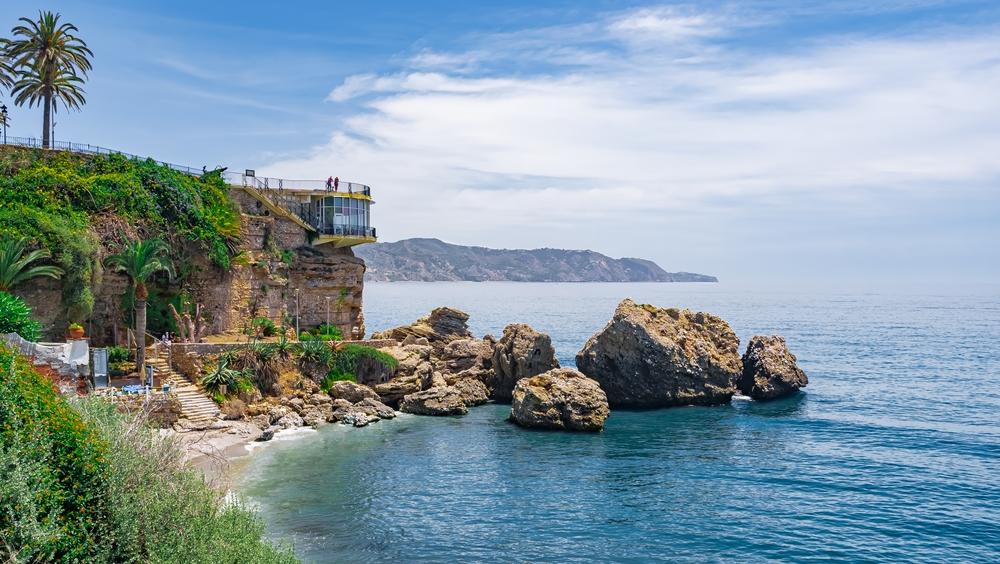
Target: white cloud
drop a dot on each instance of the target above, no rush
(631, 140)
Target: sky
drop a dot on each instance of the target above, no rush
(835, 140)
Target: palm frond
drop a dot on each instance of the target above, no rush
(15, 266)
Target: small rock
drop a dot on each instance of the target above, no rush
(351, 392)
(297, 404)
(444, 400)
(379, 409)
(290, 421)
(268, 433)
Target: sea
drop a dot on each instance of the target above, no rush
(891, 454)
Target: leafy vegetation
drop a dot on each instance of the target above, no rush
(222, 375)
(15, 266)
(80, 482)
(323, 332)
(263, 327)
(15, 317)
(117, 354)
(68, 203)
(347, 362)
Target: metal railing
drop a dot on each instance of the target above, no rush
(267, 183)
(234, 178)
(88, 149)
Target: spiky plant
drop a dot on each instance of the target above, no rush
(140, 260)
(51, 63)
(15, 266)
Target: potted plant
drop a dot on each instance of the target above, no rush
(75, 331)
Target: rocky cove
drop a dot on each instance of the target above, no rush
(645, 357)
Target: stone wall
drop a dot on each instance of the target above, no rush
(277, 260)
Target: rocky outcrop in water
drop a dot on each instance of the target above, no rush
(441, 327)
(522, 352)
(770, 370)
(562, 399)
(652, 357)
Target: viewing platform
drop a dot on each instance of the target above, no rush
(340, 217)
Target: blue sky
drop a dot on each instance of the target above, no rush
(837, 140)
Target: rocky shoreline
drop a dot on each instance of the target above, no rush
(645, 357)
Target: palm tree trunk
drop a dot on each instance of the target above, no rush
(47, 121)
(140, 337)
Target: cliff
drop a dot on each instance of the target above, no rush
(430, 260)
(231, 254)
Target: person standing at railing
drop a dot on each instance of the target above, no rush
(336, 183)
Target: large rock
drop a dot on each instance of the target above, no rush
(442, 400)
(465, 358)
(652, 357)
(770, 370)
(442, 326)
(472, 390)
(560, 399)
(522, 352)
(351, 392)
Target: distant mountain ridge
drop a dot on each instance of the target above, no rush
(433, 260)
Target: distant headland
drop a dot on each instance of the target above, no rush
(433, 260)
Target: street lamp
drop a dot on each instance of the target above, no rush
(328, 313)
(297, 313)
(3, 120)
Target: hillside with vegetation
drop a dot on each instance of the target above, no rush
(433, 260)
(83, 208)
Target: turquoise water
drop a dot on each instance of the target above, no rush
(892, 453)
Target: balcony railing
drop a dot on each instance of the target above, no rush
(346, 231)
(234, 178)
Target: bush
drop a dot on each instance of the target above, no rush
(263, 327)
(347, 358)
(15, 317)
(222, 375)
(117, 354)
(323, 332)
(335, 376)
(80, 482)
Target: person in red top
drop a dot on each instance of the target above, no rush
(336, 183)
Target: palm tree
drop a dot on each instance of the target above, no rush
(52, 62)
(14, 264)
(6, 68)
(140, 260)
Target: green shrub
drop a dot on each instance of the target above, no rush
(263, 327)
(15, 317)
(335, 376)
(118, 354)
(323, 332)
(347, 358)
(222, 375)
(316, 351)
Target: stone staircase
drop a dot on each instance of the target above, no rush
(196, 405)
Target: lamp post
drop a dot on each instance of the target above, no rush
(328, 313)
(297, 313)
(3, 120)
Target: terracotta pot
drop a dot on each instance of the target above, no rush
(76, 333)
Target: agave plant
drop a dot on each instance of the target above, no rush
(15, 266)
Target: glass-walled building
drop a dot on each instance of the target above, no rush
(342, 219)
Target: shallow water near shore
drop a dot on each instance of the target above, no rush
(892, 452)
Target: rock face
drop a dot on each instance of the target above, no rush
(441, 327)
(560, 399)
(351, 392)
(522, 352)
(770, 370)
(441, 400)
(652, 357)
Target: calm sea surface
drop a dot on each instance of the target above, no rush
(892, 453)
